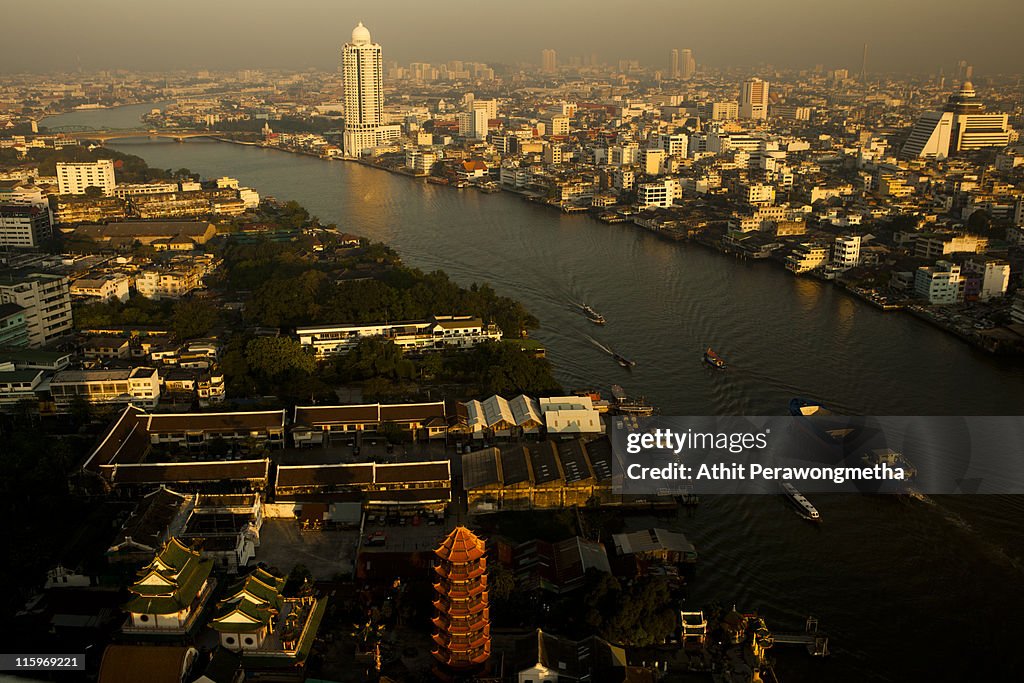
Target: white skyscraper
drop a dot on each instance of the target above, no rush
(754, 100)
(362, 72)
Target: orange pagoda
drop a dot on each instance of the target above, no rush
(463, 621)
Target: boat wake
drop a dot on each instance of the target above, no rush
(995, 550)
(600, 345)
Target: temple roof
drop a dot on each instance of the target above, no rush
(251, 603)
(461, 545)
(170, 582)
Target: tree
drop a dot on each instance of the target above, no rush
(218, 446)
(36, 507)
(501, 583)
(193, 318)
(298, 577)
(371, 358)
(504, 369)
(393, 433)
(81, 410)
(275, 358)
(980, 221)
(640, 615)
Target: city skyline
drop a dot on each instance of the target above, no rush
(421, 365)
(799, 35)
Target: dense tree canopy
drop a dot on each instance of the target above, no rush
(35, 506)
(274, 358)
(639, 615)
(192, 318)
(136, 311)
(311, 297)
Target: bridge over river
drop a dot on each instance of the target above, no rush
(87, 133)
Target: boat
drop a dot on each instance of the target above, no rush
(623, 361)
(713, 359)
(592, 315)
(887, 456)
(893, 458)
(601, 404)
(821, 422)
(805, 407)
(801, 503)
(624, 405)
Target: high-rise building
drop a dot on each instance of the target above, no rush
(473, 124)
(929, 139)
(362, 72)
(718, 111)
(962, 126)
(687, 64)
(973, 127)
(676, 65)
(462, 624)
(754, 99)
(75, 178)
(549, 61)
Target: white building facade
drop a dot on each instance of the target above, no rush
(754, 99)
(362, 72)
(75, 178)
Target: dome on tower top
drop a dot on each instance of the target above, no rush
(360, 35)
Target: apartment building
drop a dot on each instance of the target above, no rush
(104, 288)
(940, 284)
(46, 299)
(23, 225)
(168, 284)
(661, 194)
(846, 252)
(13, 326)
(139, 387)
(75, 178)
(807, 257)
(935, 246)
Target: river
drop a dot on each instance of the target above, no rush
(906, 591)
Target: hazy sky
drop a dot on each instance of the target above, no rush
(904, 35)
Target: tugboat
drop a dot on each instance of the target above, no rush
(803, 506)
(592, 315)
(713, 359)
(896, 459)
